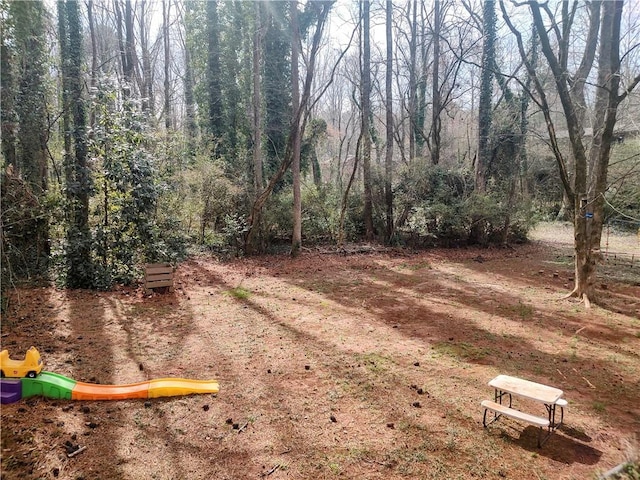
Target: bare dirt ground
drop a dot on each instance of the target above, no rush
(362, 366)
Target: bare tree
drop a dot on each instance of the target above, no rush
(388, 161)
(586, 189)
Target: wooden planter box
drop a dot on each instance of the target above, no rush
(158, 275)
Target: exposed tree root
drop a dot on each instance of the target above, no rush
(583, 298)
(573, 293)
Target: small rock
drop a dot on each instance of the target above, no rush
(141, 367)
(91, 425)
(416, 364)
(229, 421)
(205, 408)
(333, 419)
(55, 471)
(269, 370)
(451, 339)
(307, 367)
(236, 426)
(85, 409)
(416, 404)
(147, 404)
(420, 391)
(391, 425)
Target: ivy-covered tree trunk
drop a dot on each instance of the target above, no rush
(257, 102)
(190, 124)
(31, 113)
(214, 82)
(80, 273)
(276, 84)
(485, 107)
(8, 116)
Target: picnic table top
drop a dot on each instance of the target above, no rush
(527, 389)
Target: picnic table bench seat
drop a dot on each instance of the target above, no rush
(513, 413)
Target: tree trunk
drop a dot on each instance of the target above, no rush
(436, 125)
(485, 114)
(77, 175)
(146, 82)
(388, 160)
(588, 190)
(129, 49)
(606, 105)
(296, 241)
(412, 79)
(94, 56)
(366, 120)
(7, 104)
(257, 99)
(168, 124)
(191, 126)
(216, 120)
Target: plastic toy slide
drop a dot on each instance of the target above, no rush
(55, 386)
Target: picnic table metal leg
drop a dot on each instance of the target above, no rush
(496, 416)
(552, 416)
(498, 394)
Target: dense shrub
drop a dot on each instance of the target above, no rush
(439, 207)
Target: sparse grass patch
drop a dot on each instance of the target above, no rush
(462, 350)
(239, 293)
(374, 362)
(523, 310)
(599, 407)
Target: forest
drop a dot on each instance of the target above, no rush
(137, 131)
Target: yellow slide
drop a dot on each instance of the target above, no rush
(163, 387)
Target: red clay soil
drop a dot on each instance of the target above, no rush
(364, 366)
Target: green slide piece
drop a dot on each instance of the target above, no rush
(49, 385)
